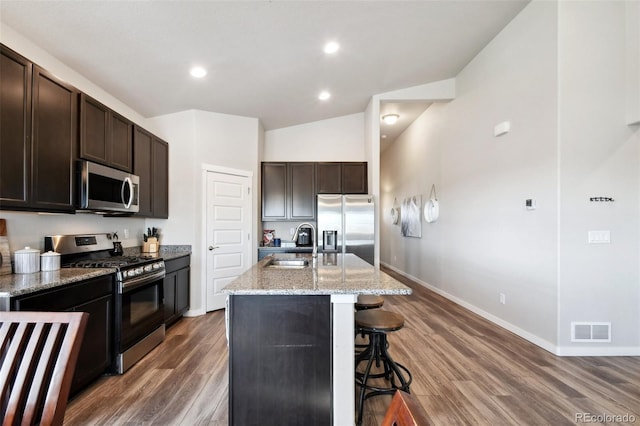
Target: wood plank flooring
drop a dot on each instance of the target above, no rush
(466, 371)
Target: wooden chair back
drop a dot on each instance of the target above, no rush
(404, 411)
(38, 354)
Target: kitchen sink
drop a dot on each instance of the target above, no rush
(287, 263)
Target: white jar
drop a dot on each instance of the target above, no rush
(27, 260)
(50, 261)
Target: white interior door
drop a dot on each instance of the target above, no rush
(228, 232)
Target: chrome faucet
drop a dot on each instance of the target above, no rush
(314, 253)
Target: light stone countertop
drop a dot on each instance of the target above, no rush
(19, 284)
(331, 274)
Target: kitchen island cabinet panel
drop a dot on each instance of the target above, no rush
(280, 360)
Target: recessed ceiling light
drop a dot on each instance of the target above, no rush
(383, 136)
(324, 95)
(390, 119)
(198, 72)
(331, 47)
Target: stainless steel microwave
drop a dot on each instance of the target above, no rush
(106, 190)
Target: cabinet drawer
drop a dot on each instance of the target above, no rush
(173, 265)
(60, 299)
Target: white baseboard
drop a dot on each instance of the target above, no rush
(544, 344)
(194, 313)
(600, 351)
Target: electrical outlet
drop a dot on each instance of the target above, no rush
(503, 299)
(125, 233)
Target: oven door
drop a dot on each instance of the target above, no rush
(141, 312)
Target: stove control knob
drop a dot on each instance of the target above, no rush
(139, 270)
(148, 268)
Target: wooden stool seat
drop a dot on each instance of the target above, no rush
(379, 320)
(368, 301)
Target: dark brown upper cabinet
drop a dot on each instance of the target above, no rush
(39, 135)
(354, 178)
(302, 200)
(151, 164)
(105, 136)
(341, 178)
(329, 178)
(288, 191)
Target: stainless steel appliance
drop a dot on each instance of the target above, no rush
(106, 190)
(350, 221)
(139, 311)
(304, 236)
(329, 241)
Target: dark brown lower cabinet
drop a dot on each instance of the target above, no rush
(176, 288)
(94, 296)
(280, 360)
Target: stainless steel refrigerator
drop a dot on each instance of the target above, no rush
(346, 224)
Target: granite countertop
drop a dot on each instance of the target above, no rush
(331, 274)
(20, 284)
(302, 249)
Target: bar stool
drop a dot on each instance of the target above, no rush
(368, 301)
(377, 323)
(364, 302)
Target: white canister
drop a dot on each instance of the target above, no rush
(50, 261)
(27, 260)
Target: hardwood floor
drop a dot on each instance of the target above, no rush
(466, 371)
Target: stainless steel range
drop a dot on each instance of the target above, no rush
(139, 313)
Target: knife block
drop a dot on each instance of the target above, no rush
(151, 245)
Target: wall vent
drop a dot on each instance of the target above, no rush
(595, 332)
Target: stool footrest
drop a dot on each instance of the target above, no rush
(377, 352)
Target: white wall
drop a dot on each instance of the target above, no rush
(563, 91)
(200, 139)
(485, 242)
(334, 139)
(599, 156)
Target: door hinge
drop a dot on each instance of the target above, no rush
(248, 190)
(249, 237)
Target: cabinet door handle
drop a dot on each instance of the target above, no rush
(213, 248)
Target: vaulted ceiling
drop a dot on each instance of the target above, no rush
(264, 58)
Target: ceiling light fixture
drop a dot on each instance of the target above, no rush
(331, 47)
(390, 119)
(198, 72)
(324, 95)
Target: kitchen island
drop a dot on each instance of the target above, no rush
(291, 338)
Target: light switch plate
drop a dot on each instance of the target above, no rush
(599, 237)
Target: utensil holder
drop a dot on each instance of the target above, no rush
(151, 245)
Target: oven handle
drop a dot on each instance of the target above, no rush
(140, 281)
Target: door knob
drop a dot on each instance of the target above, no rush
(212, 247)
